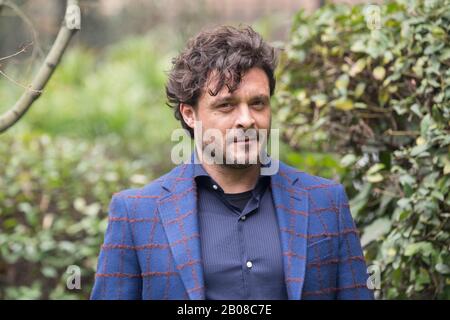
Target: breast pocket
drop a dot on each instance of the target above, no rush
(319, 250)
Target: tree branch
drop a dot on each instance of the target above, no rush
(23, 49)
(70, 26)
(16, 9)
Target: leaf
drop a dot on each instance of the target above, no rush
(319, 99)
(342, 83)
(357, 67)
(360, 200)
(422, 278)
(438, 31)
(442, 268)
(383, 96)
(375, 168)
(425, 248)
(425, 125)
(93, 209)
(79, 204)
(375, 230)
(360, 105)
(348, 160)
(358, 46)
(418, 67)
(375, 178)
(418, 149)
(343, 104)
(447, 168)
(406, 179)
(416, 109)
(420, 140)
(379, 73)
(359, 90)
(445, 55)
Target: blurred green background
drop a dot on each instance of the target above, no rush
(102, 126)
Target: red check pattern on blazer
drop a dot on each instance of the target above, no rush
(151, 248)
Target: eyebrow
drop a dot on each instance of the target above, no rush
(231, 98)
(261, 97)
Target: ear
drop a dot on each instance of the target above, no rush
(188, 113)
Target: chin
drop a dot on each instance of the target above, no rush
(241, 160)
(239, 166)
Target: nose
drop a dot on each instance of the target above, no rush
(245, 118)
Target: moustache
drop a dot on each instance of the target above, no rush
(242, 137)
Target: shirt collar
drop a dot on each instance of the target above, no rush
(199, 170)
(204, 179)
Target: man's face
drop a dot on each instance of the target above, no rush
(247, 107)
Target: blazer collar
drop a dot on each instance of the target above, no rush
(178, 210)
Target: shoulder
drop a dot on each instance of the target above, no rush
(305, 180)
(150, 192)
(316, 186)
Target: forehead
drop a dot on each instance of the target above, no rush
(253, 82)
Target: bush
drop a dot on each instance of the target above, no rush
(379, 95)
(54, 195)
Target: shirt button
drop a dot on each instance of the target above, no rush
(215, 187)
(249, 264)
(243, 218)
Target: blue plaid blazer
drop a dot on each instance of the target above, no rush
(151, 248)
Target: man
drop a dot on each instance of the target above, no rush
(228, 228)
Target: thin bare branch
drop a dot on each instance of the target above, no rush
(37, 50)
(24, 49)
(19, 84)
(70, 26)
(391, 132)
(16, 9)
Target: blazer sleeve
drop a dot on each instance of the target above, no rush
(118, 273)
(352, 270)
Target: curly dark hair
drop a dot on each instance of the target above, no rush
(227, 50)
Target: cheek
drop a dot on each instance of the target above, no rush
(215, 120)
(220, 120)
(263, 119)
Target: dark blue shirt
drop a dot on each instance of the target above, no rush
(240, 241)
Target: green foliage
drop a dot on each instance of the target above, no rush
(101, 126)
(54, 195)
(317, 163)
(113, 95)
(380, 97)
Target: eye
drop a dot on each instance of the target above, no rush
(259, 104)
(225, 106)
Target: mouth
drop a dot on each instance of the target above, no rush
(243, 140)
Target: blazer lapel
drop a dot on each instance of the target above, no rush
(178, 211)
(291, 205)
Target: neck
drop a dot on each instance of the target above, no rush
(234, 180)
